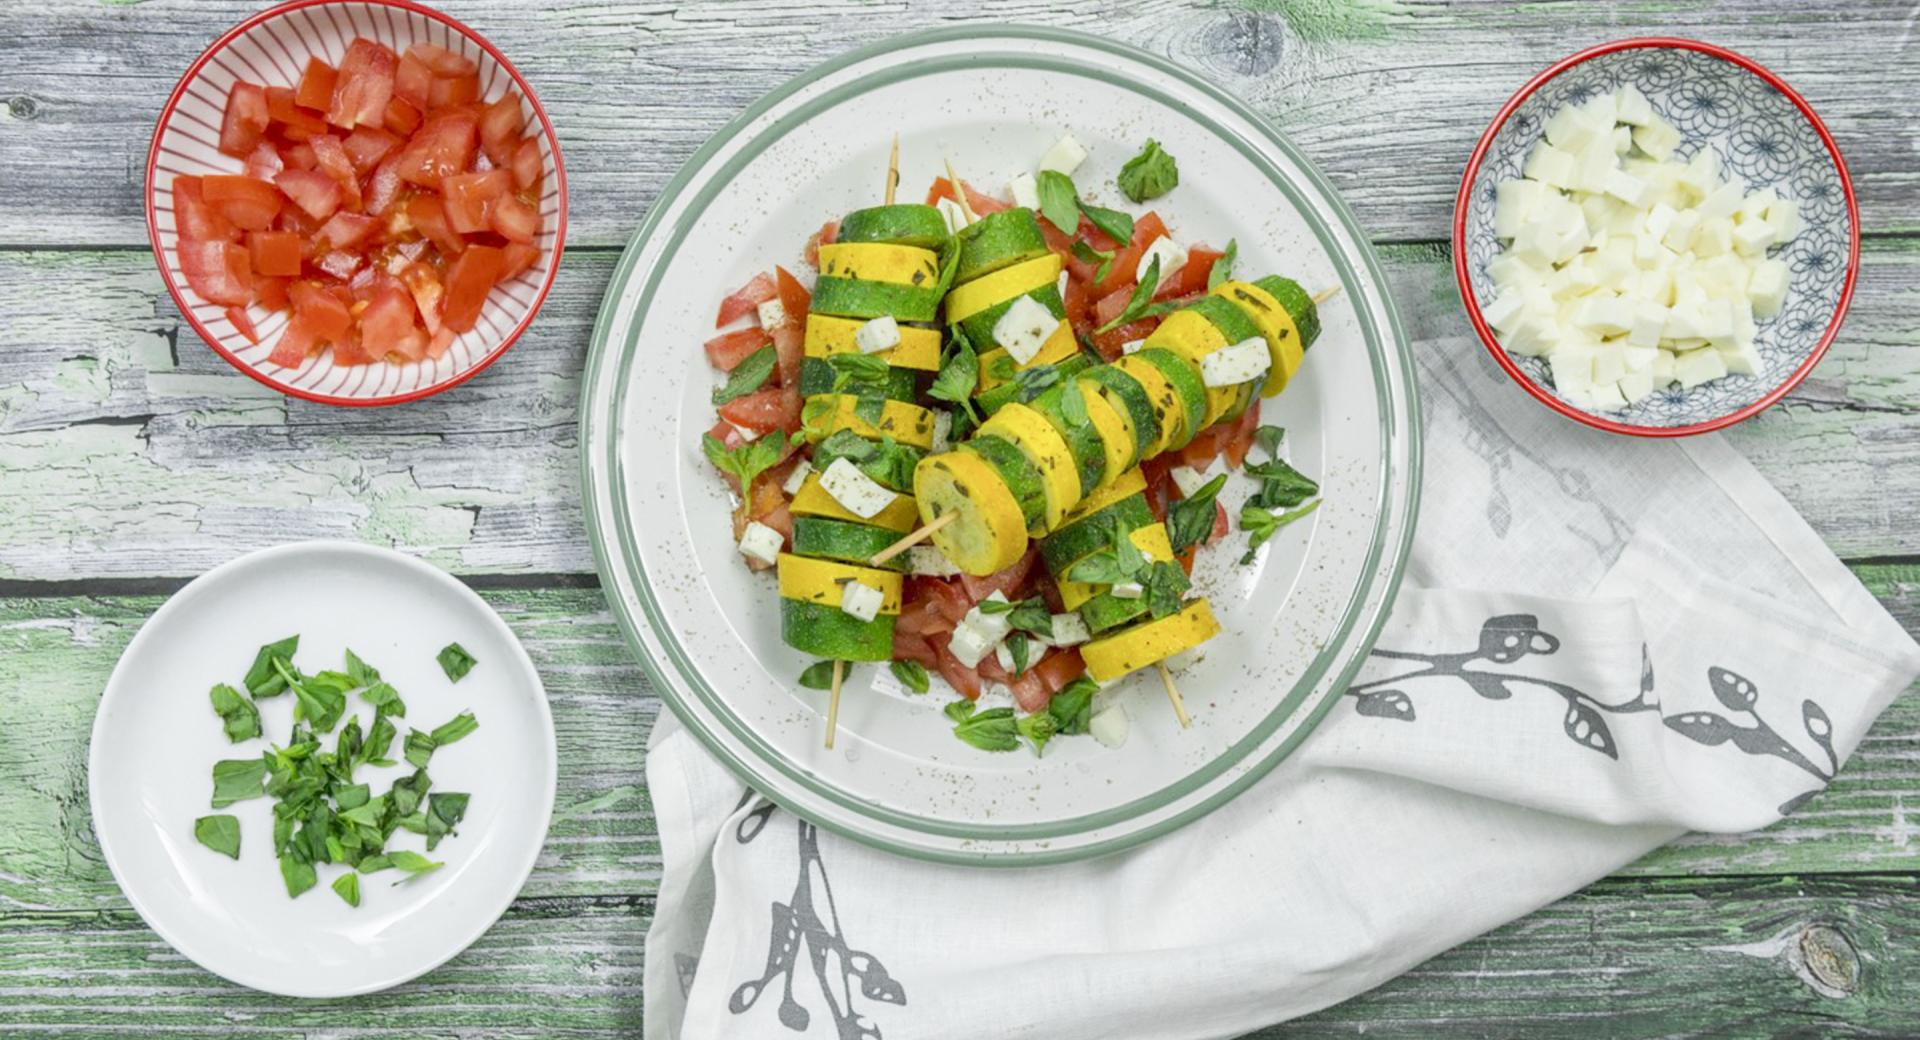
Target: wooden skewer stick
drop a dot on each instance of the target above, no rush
(833, 703)
(1325, 295)
(893, 170)
(959, 192)
(1173, 694)
(912, 540)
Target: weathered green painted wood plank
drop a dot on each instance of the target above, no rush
(1678, 957)
(1388, 96)
(122, 437)
(56, 654)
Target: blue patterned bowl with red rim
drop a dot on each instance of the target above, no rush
(1762, 131)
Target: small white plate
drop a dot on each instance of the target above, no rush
(155, 740)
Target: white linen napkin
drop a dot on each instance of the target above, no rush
(1603, 642)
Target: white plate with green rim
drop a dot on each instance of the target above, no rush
(992, 99)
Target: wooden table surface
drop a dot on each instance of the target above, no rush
(132, 458)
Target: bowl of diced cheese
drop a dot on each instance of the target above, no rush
(1656, 237)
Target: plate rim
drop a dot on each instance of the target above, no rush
(1386, 556)
(484, 922)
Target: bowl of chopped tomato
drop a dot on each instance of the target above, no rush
(356, 203)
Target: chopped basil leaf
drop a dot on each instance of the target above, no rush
(819, 675)
(1059, 200)
(1072, 706)
(363, 673)
(419, 748)
(1018, 648)
(959, 377)
(1281, 486)
(444, 810)
(1140, 302)
(1032, 382)
(347, 886)
(857, 371)
(373, 750)
(1150, 174)
(1268, 439)
(1122, 562)
(1031, 615)
(990, 730)
(1165, 587)
(1038, 727)
(298, 875)
(958, 710)
(1111, 222)
(1190, 519)
(219, 833)
(912, 675)
(750, 459)
(237, 713)
(1001, 368)
(385, 700)
(1261, 524)
(886, 460)
(1085, 253)
(237, 779)
(747, 376)
(456, 662)
(411, 863)
(317, 700)
(1223, 267)
(263, 680)
(994, 606)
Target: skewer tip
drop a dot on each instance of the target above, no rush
(1325, 294)
(833, 703)
(1173, 696)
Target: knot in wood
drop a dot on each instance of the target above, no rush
(22, 107)
(1830, 959)
(1245, 43)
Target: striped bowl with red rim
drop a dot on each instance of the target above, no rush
(271, 49)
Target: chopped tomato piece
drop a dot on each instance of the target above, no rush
(193, 217)
(946, 596)
(828, 233)
(247, 202)
(469, 279)
(316, 85)
(346, 230)
(338, 263)
(245, 123)
(767, 409)
(728, 349)
(789, 337)
(367, 145)
(325, 314)
(438, 343)
(347, 350)
(402, 117)
(520, 258)
(385, 324)
(333, 160)
(364, 85)
(296, 342)
(500, 127)
(270, 293)
(275, 253)
(1205, 446)
(383, 187)
(1030, 692)
(746, 300)
(428, 292)
(1158, 472)
(980, 204)
(1006, 582)
(317, 194)
(444, 145)
(963, 679)
(440, 61)
(1079, 304)
(411, 81)
(1240, 441)
(298, 156)
(1191, 279)
(1127, 259)
(429, 217)
(264, 161)
(527, 167)
(730, 438)
(295, 123)
(237, 314)
(1059, 668)
(469, 198)
(921, 618)
(910, 646)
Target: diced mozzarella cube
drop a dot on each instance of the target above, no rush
(1754, 206)
(772, 314)
(1631, 106)
(1625, 187)
(1660, 220)
(1622, 140)
(1743, 360)
(1753, 237)
(1679, 236)
(1505, 309)
(882, 333)
(1649, 321)
(1550, 165)
(1127, 590)
(1600, 109)
(942, 430)
(1132, 346)
(1767, 288)
(1025, 190)
(1535, 335)
(1070, 629)
(930, 561)
(1607, 398)
(1597, 163)
(994, 625)
(1110, 725)
(1784, 215)
(856, 492)
(969, 645)
(1723, 201)
(1639, 359)
(1572, 369)
(1186, 659)
(860, 600)
(797, 477)
(955, 216)
(1065, 156)
(1024, 328)
(747, 433)
(1635, 386)
(1663, 368)
(1716, 322)
(1172, 257)
(1657, 139)
(1190, 480)
(1609, 364)
(1237, 364)
(1515, 204)
(1713, 237)
(1605, 315)
(761, 542)
(1573, 129)
(1005, 657)
(1696, 367)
